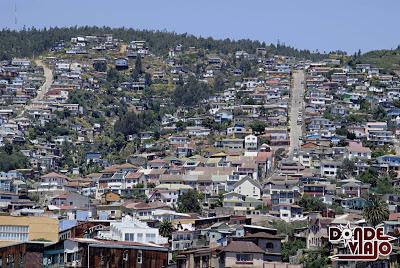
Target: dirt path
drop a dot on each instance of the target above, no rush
(41, 93)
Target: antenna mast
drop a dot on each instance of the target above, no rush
(15, 14)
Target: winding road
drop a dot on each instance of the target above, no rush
(297, 105)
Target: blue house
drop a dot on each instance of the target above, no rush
(93, 157)
(121, 63)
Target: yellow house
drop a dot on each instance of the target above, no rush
(28, 228)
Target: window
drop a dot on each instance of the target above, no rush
(139, 237)
(14, 233)
(244, 257)
(139, 256)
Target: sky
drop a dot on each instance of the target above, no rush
(325, 25)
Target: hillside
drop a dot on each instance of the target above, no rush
(385, 59)
(30, 42)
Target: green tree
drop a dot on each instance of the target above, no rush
(11, 158)
(384, 186)
(258, 126)
(191, 93)
(189, 202)
(218, 83)
(346, 169)
(138, 70)
(316, 259)
(369, 176)
(376, 211)
(310, 203)
(166, 228)
(290, 248)
(287, 228)
(113, 75)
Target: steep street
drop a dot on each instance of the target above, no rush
(48, 76)
(297, 105)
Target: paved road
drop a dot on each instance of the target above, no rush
(297, 104)
(48, 76)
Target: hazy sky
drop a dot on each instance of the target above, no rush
(325, 25)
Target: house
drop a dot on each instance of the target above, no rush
(230, 144)
(86, 252)
(317, 232)
(93, 157)
(24, 254)
(251, 143)
(355, 150)
(71, 199)
(54, 179)
(177, 140)
(199, 257)
(353, 203)
(109, 198)
(354, 189)
(143, 210)
(186, 239)
(330, 168)
(238, 254)
(28, 228)
(121, 63)
(134, 231)
(389, 163)
(288, 212)
(314, 189)
(248, 187)
(238, 131)
(270, 243)
(240, 203)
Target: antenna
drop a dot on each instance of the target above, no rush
(15, 14)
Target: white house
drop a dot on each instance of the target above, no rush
(356, 150)
(248, 187)
(133, 230)
(250, 142)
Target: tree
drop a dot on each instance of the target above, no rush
(310, 203)
(189, 202)
(290, 248)
(376, 211)
(316, 259)
(346, 170)
(218, 83)
(384, 186)
(133, 123)
(138, 70)
(369, 176)
(166, 228)
(287, 228)
(113, 75)
(11, 158)
(192, 93)
(258, 126)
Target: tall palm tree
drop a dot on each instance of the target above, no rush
(376, 211)
(166, 228)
